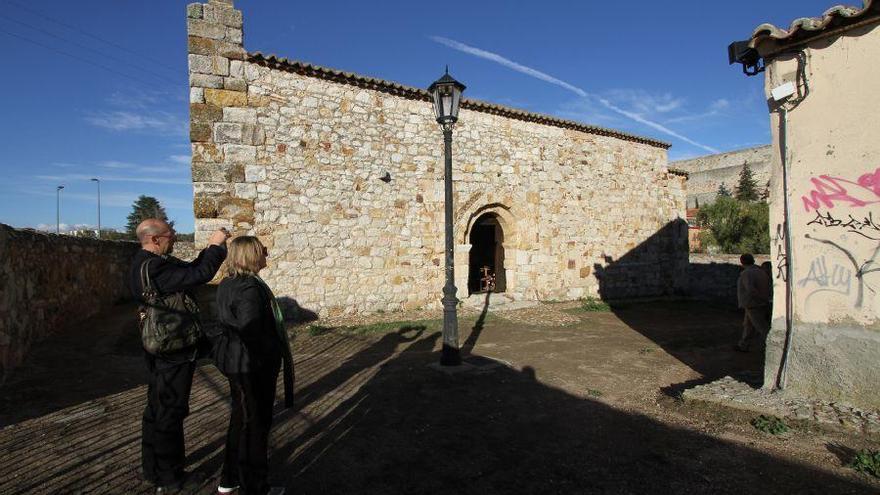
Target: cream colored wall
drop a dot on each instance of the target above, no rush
(834, 192)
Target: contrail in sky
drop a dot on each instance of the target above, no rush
(498, 59)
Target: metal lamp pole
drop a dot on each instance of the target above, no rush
(58, 209)
(446, 92)
(450, 355)
(98, 181)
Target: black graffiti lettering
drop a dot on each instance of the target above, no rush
(866, 227)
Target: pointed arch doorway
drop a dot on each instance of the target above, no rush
(486, 270)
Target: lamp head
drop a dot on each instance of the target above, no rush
(446, 93)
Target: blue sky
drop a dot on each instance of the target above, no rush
(98, 88)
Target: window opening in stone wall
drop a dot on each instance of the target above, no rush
(486, 259)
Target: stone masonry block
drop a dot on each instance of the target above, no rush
(204, 206)
(246, 191)
(205, 64)
(196, 95)
(239, 210)
(236, 69)
(209, 47)
(225, 98)
(225, 132)
(234, 84)
(199, 132)
(237, 153)
(205, 29)
(240, 115)
(205, 81)
(235, 173)
(208, 172)
(202, 112)
(253, 134)
(194, 11)
(206, 153)
(234, 35)
(254, 173)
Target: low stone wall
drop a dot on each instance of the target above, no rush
(713, 277)
(49, 281)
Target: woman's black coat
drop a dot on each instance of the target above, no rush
(245, 318)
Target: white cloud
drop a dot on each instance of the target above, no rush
(180, 159)
(162, 123)
(668, 105)
(105, 178)
(644, 102)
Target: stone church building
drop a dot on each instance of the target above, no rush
(341, 176)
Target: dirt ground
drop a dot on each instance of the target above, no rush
(557, 400)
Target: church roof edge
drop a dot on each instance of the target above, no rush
(409, 92)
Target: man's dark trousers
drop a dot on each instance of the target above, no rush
(162, 443)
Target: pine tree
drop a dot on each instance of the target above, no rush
(143, 208)
(747, 189)
(723, 190)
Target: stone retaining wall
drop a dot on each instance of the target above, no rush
(713, 277)
(707, 173)
(49, 281)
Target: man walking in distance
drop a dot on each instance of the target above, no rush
(753, 295)
(169, 375)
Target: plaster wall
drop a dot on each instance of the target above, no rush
(298, 160)
(833, 158)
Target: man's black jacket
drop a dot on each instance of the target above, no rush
(169, 275)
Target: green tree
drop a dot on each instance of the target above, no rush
(734, 226)
(723, 191)
(747, 188)
(143, 208)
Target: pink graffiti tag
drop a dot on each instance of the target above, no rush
(828, 189)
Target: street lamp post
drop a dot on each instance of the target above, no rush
(58, 209)
(446, 92)
(98, 182)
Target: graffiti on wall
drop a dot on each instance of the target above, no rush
(864, 225)
(861, 269)
(781, 257)
(829, 191)
(838, 279)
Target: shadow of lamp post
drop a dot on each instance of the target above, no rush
(446, 93)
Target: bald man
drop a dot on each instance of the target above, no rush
(169, 375)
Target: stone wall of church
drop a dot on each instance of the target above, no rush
(299, 161)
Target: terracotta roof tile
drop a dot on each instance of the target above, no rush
(839, 16)
(412, 93)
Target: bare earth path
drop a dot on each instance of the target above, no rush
(559, 401)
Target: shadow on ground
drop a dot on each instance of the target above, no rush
(700, 335)
(409, 429)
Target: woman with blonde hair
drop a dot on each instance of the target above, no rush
(249, 350)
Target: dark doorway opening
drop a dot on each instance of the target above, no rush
(486, 260)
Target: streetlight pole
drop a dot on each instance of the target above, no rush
(446, 92)
(58, 209)
(98, 182)
(450, 355)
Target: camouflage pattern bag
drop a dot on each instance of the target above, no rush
(168, 323)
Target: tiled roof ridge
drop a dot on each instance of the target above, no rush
(410, 92)
(678, 171)
(838, 16)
